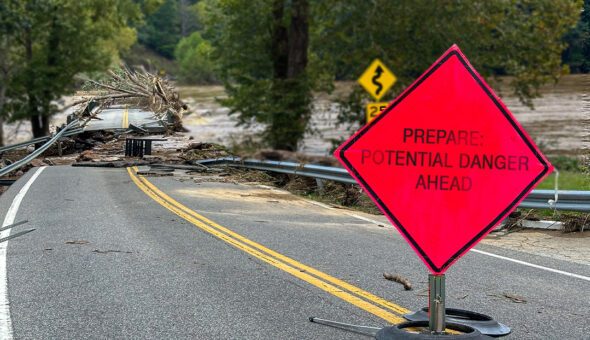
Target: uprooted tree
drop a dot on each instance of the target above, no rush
(139, 88)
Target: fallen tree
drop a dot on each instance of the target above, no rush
(141, 89)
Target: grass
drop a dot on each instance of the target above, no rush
(568, 180)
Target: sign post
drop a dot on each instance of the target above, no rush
(445, 162)
(437, 297)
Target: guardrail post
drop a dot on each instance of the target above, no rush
(320, 185)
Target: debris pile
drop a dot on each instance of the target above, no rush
(171, 150)
(103, 152)
(141, 89)
(198, 151)
(576, 223)
(80, 143)
(138, 89)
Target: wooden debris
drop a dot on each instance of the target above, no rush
(152, 93)
(398, 279)
(77, 242)
(154, 173)
(514, 298)
(138, 129)
(461, 297)
(109, 251)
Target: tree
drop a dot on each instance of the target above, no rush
(193, 55)
(10, 22)
(577, 54)
(58, 39)
(186, 18)
(261, 50)
(520, 38)
(273, 54)
(161, 31)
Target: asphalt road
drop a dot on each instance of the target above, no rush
(115, 256)
(121, 117)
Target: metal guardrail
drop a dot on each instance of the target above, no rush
(568, 200)
(40, 140)
(37, 152)
(308, 170)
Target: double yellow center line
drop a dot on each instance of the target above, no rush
(125, 123)
(345, 291)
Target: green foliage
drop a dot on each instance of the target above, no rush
(151, 60)
(10, 22)
(249, 65)
(567, 163)
(193, 55)
(567, 180)
(55, 40)
(161, 31)
(521, 38)
(577, 55)
(164, 28)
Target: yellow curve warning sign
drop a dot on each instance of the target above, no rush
(377, 79)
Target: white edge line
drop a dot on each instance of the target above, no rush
(5, 322)
(383, 224)
(557, 271)
(369, 220)
(532, 265)
(319, 204)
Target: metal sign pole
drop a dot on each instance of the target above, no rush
(436, 296)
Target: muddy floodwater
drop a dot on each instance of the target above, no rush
(559, 123)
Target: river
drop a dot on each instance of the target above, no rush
(559, 123)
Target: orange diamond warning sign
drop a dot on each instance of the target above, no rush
(446, 161)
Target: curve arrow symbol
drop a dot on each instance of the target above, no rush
(378, 72)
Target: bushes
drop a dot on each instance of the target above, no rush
(192, 54)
